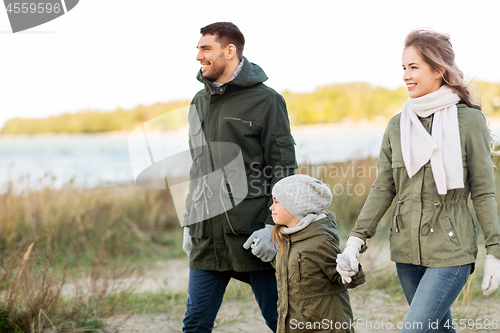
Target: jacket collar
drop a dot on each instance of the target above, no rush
(250, 75)
(321, 226)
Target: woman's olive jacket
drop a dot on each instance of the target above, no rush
(309, 288)
(427, 228)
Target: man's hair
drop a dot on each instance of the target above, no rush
(226, 33)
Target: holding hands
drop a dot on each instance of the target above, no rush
(260, 242)
(347, 261)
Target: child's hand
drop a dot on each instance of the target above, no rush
(352, 248)
(344, 268)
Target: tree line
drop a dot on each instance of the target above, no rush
(327, 104)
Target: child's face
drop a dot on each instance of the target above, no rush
(281, 216)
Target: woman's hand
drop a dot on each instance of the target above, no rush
(352, 248)
(491, 278)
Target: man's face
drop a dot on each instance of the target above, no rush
(212, 57)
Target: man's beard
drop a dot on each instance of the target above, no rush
(217, 69)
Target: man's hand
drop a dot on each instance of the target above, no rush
(491, 278)
(186, 243)
(262, 246)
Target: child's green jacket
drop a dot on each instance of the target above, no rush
(310, 290)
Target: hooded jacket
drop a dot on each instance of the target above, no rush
(310, 290)
(247, 113)
(427, 228)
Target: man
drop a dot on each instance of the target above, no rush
(234, 107)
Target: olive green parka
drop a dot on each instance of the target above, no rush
(427, 228)
(310, 290)
(247, 113)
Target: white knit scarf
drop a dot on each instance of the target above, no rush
(442, 146)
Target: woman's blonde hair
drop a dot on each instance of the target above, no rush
(436, 50)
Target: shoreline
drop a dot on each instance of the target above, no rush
(348, 124)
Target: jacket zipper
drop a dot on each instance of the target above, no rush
(300, 270)
(245, 121)
(223, 182)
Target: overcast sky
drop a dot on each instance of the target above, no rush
(105, 54)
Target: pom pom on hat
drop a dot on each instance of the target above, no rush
(301, 195)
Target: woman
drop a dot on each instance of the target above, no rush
(434, 153)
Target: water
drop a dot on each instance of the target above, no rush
(103, 159)
(88, 160)
(321, 144)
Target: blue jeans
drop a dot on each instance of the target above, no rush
(206, 290)
(430, 292)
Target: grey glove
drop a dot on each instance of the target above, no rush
(347, 261)
(186, 242)
(344, 267)
(262, 246)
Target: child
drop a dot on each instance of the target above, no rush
(311, 295)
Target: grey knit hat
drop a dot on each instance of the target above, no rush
(301, 195)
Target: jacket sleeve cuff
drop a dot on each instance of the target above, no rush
(355, 241)
(362, 238)
(357, 279)
(494, 250)
(273, 262)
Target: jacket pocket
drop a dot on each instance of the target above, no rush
(397, 163)
(237, 129)
(472, 231)
(196, 138)
(197, 230)
(399, 237)
(314, 307)
(311, 315)
(332, 305)
(397, 219)
(451, 233)
(197, 212)
(287, 151)
(248, 216)
(249, 123)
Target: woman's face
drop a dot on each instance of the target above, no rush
(281, 216)
(419, 77)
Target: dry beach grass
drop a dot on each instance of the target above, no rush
(110, 259)
(376, 304)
